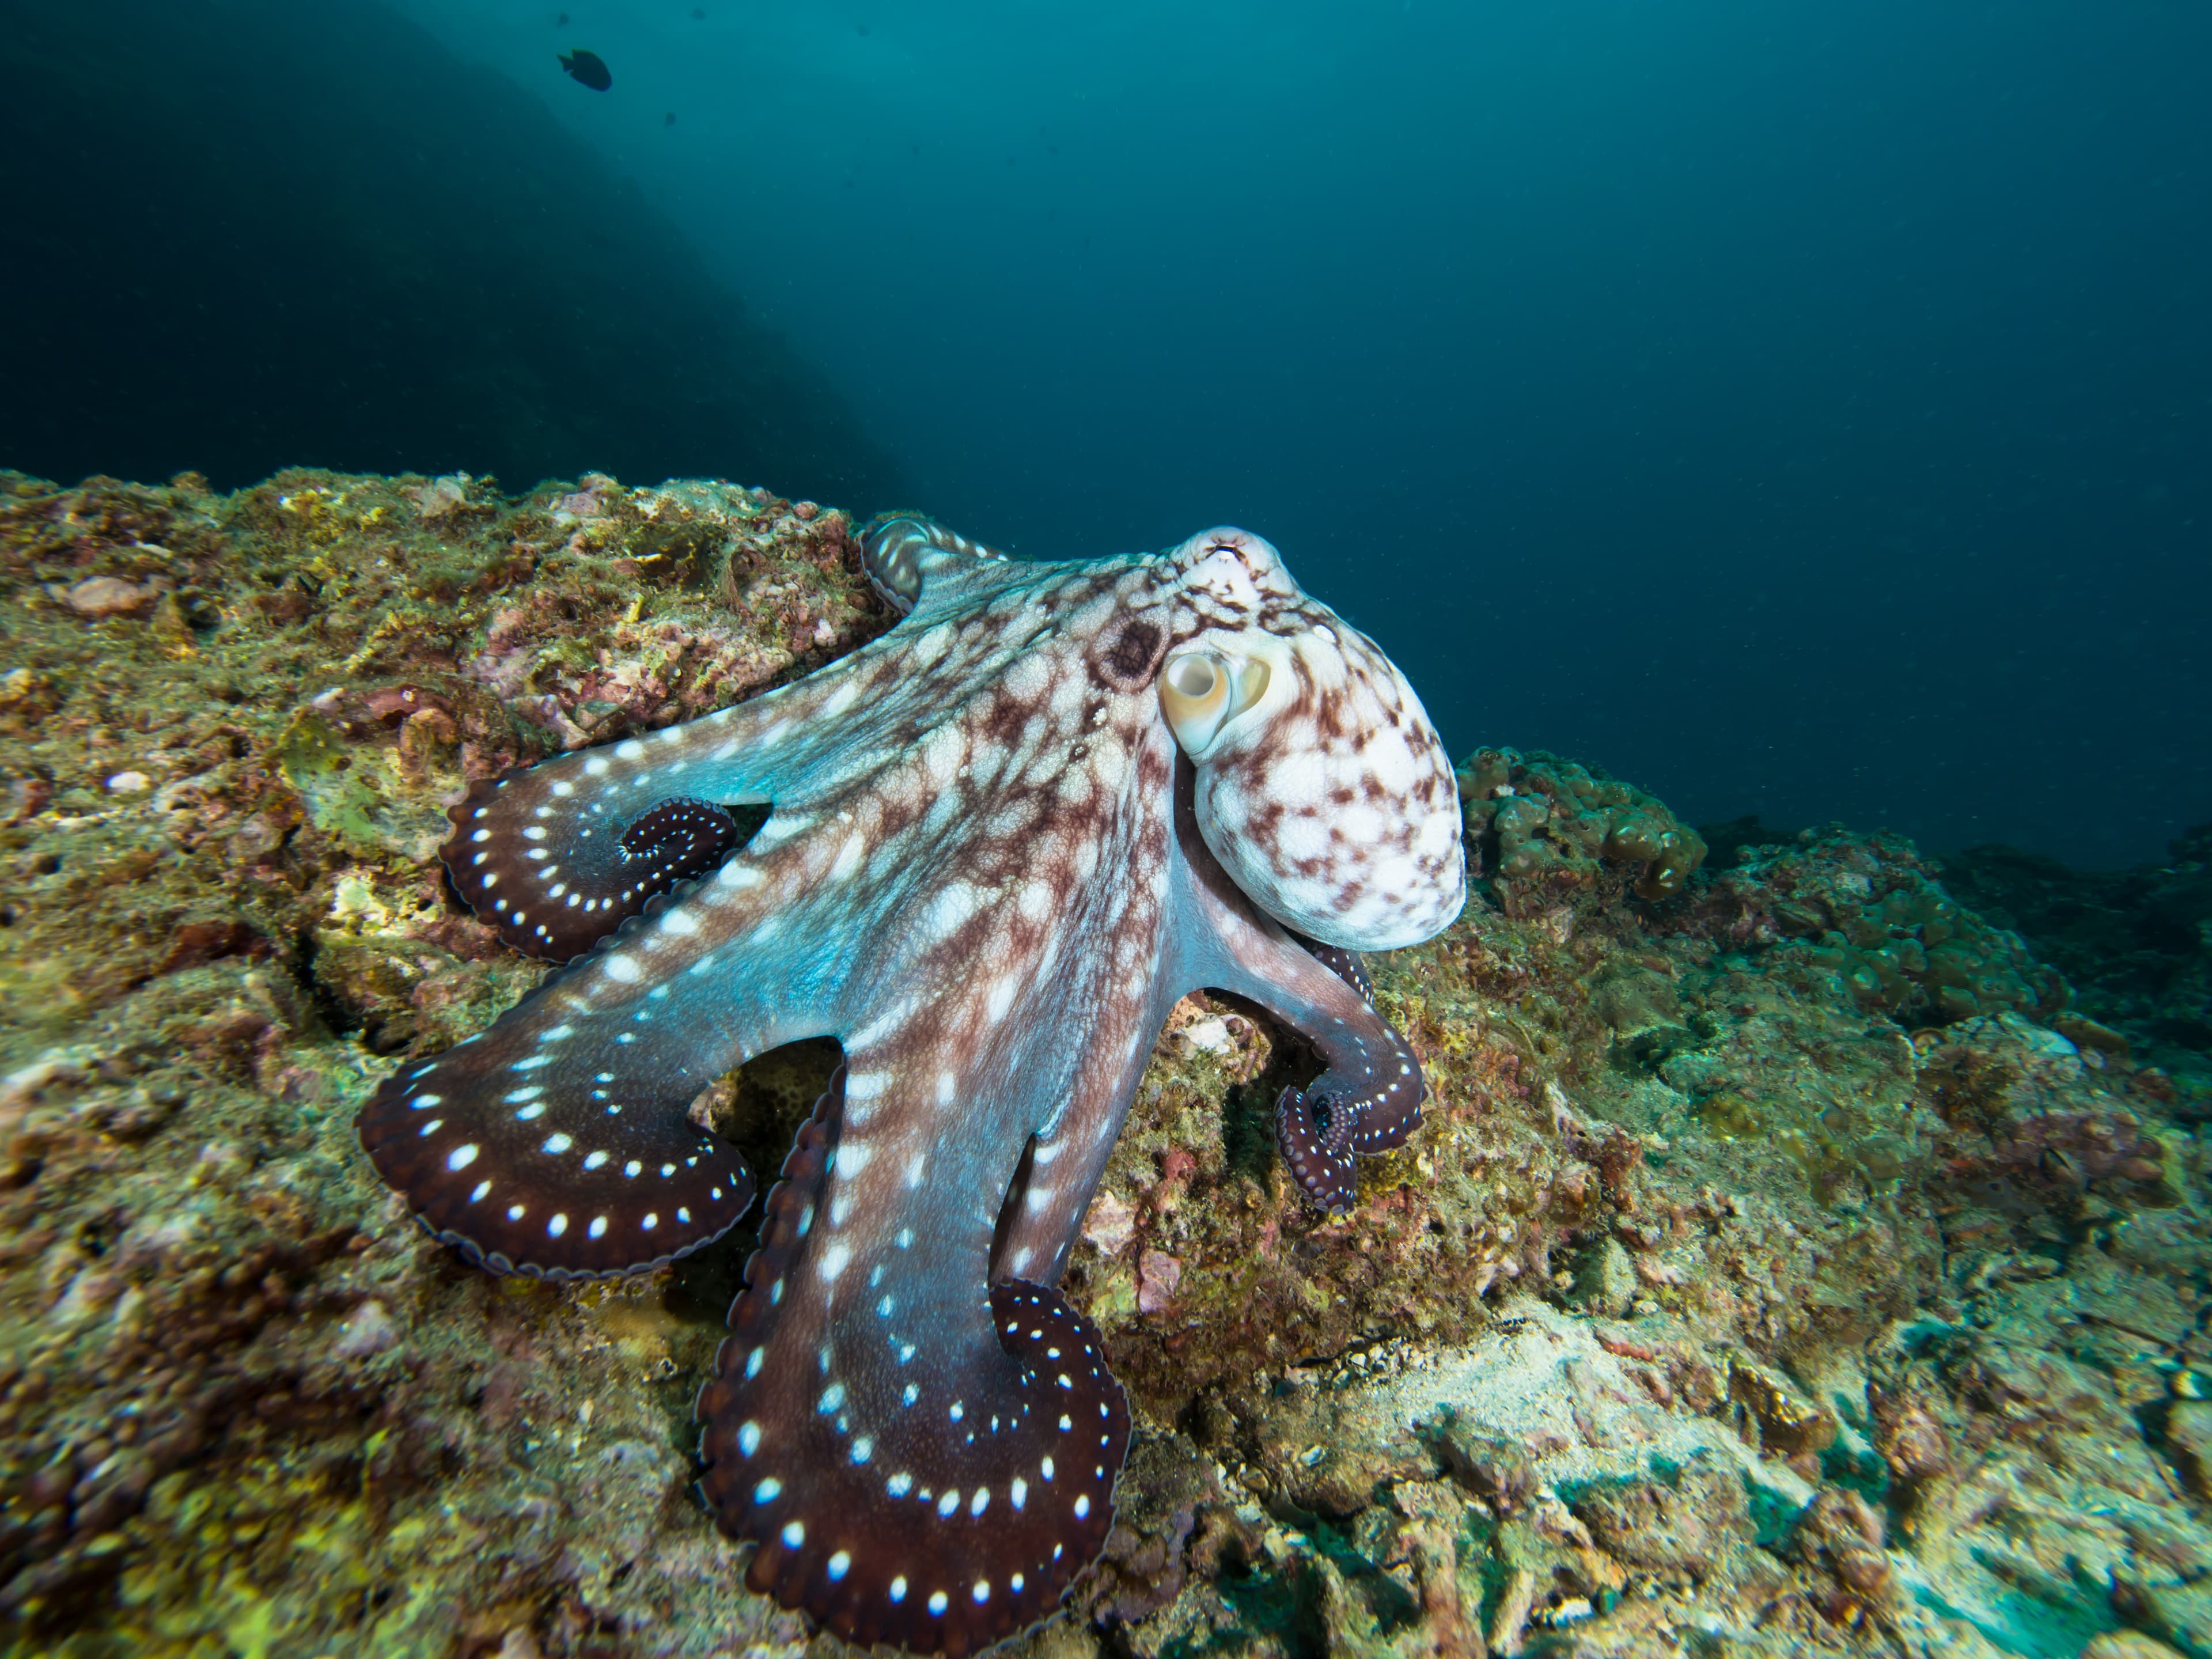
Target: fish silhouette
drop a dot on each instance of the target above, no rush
(587, 67)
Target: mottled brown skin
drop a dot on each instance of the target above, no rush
(990, 875)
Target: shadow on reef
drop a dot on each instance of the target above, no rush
(1794, 1259)
(255, 232)
(2137, 944)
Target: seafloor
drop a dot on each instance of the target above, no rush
(1792, 1260)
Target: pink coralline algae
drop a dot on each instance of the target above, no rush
(112, 596)
(1158, 1276)
(442, 497)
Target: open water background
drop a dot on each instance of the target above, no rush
(1803, 410)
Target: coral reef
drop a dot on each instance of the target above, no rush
(1869, 909)
(1784, 1266)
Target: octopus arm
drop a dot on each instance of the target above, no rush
(558, 856)
(558, 1144)
(1368, 1099)
(1059, 1173)
(1346, 965)
(922, 1457)
(905, 553)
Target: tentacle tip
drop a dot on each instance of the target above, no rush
(1333, 1202)
(895, 1529)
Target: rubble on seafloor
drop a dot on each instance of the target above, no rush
(1786, 1265)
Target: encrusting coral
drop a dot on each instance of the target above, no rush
(1751, 1287)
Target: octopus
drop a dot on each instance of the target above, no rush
(1002, 841)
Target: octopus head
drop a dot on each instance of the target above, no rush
(1321, 786)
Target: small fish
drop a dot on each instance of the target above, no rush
(587, 67)
(669, 119)
(698, 14)
(560, 20)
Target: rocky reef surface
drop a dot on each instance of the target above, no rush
(1793, 1261)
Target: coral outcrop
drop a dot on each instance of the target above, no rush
(1545, 824)
(1785, 1264)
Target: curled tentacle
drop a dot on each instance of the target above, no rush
(1314, 1131)
(555, 1144)
(1367, 1102)
(1369, 1097)
(555, 868)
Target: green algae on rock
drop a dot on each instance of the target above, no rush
(1728, 1301)
(226, 1357)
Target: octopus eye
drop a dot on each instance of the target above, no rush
(1201, 692)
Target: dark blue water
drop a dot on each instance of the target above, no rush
(246, 236)
(1806, 411)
